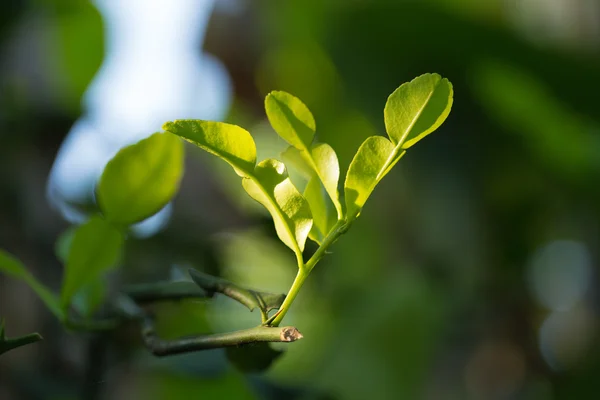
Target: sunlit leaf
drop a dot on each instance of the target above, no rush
(321, 206)
(292, 157)
(368, 167)
(293, 121)
(272, 188)
(13, 267)
(229, 142)
(95, 249)
(141, 179)
(413, 111)
(417, 108)
(267, 182)
(323, 213)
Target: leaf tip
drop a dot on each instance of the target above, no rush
(168, 125)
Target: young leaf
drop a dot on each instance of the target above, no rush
(95, 249)
(293, 121)
(272, 188)
(367, 168)
(13, 267)
(321, 206)
(417, 108)
(413, 111)
(267, 183)
(229, 142)
(141, 179)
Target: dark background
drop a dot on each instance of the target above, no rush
(471, 273)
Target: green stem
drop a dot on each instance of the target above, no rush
(289, 299)
(304, 270)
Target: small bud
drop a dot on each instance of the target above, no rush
(290, 334)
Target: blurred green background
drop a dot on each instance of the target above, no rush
(472, 271)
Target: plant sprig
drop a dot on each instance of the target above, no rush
(412, 111)
(142, 178)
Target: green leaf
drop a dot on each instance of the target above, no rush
(229, 142)
(322, 208)
(141, 179)
(96, 248)
(267, 182)
(413, 111)
(417, 108)
(374, 159)
(90, 297)
(271, 187)
(293, 121)
(62, 246)
(13, 267)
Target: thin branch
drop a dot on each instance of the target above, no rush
(7, 344)
(252, 299)
(160, 347)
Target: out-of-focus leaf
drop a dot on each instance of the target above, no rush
(63, 244)
(272, 188)
(252, 358)
(293, 121)
(79, 34)
(7, 344)
(229, 142)
(95, 249)
(394, 349)
(90, 297)
(141, 179)
(413, 111)
(417, 108)
(557, 135)
(13, 267)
